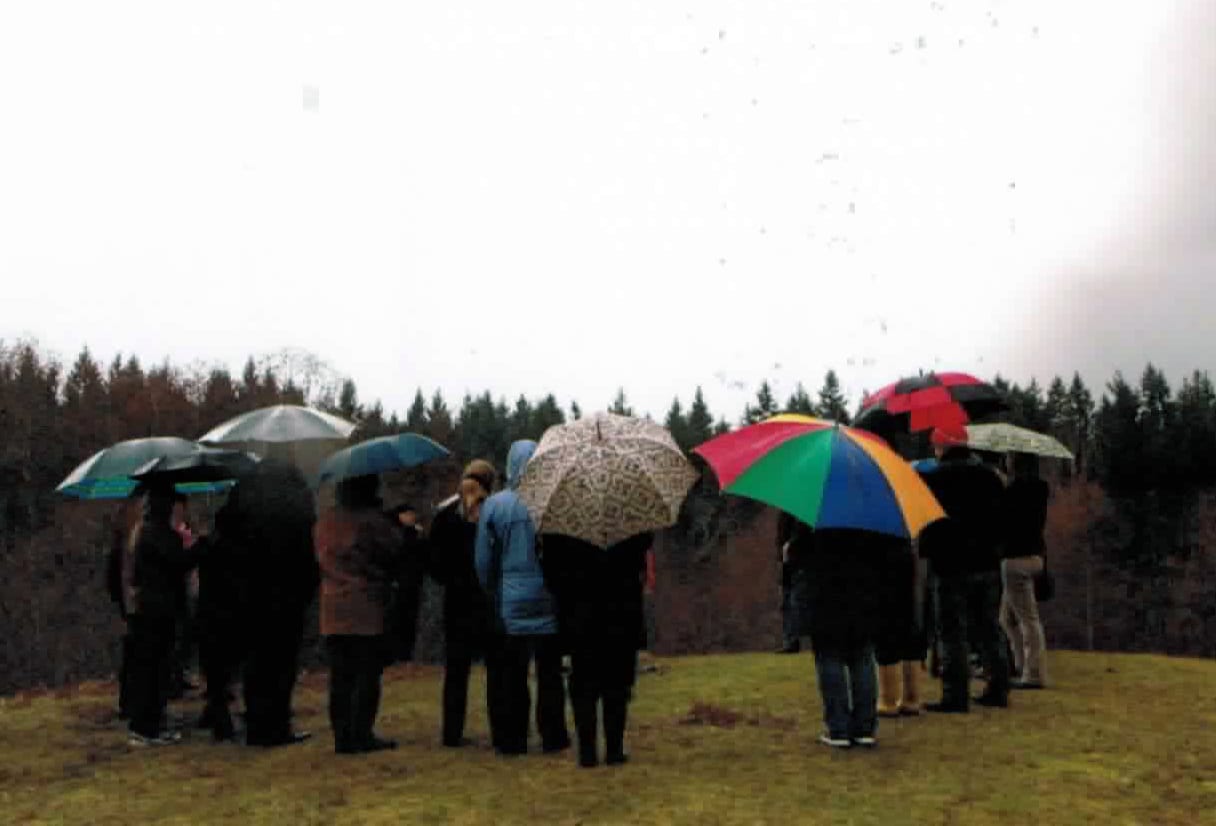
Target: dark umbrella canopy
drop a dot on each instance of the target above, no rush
(920, 403)
(380, 455)
(107, 473)
(203, 465)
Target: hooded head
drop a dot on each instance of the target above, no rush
(517, 460)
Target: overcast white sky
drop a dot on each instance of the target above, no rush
(573, 196)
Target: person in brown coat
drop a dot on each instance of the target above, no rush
(356, 549)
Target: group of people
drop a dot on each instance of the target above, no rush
(873, 606)
(510, 597)
(256, 578)
(517, 599)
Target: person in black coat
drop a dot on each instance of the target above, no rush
(152, 572)
(602, 623)
(277, 517)
(128, 516)
(406, 591)
(843, 608)
(793, 588)
(964, 552)
(222, 615)
(466, 612)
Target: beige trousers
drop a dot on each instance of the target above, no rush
(1020, 617)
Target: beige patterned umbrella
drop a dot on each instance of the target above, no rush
(1008, 438)
(605, 478)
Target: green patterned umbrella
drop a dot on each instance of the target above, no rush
(1008, 438)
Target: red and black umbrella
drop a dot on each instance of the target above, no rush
(925, 402)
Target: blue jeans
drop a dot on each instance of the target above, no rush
(848, 684)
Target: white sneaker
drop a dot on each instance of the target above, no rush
(835, 742)
(137, 740)
(865, 742)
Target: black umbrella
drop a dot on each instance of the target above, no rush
(204, 465)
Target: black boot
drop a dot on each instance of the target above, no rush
(616, 704)
(586, 728)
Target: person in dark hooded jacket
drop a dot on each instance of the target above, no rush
(602, 621)
(154, 567)
(964, 552)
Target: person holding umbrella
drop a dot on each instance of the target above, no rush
(600, 612)
(357, 552)
(964, 552)
(466, 611)
(858, 506)
(523, 612)
(1025, 517)
(155, 566)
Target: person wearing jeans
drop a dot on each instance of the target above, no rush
(849, 688)
(843, 603)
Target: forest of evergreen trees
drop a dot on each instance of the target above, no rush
(1133, 437)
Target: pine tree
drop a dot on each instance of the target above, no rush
(765, 406)
(700, 424)
(546, 413)
(677, 424)
(800, 402)
(721, 427)
(576, 412)
(439, 419)
(1056, 411)
(619, 405)
(1081, 415)
(832, 402)
(348, 400)
(520, 424)
(415, 417)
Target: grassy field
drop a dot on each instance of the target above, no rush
(1120, 739)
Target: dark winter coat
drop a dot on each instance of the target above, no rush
(598, 592)
(1025, 517)
(277, 514)
(844, 597)
(156, 565)
(969, 539)
(222, 585)
(466, 609)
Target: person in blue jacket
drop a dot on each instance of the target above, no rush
(524, 618)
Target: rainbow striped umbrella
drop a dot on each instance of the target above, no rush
(826, 475)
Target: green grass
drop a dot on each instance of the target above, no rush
(1120, 739)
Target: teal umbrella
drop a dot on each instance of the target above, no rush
(203, 465)
(403, 450)
(107, 473)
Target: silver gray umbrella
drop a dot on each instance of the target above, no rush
(280, 423)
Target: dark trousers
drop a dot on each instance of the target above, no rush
(149, 668)
(270, 677)
(510, 699)
(968, 610)
(793, 596)
(124, 702)
(458, 664)
(355, 666)
(219, 658)
(602, 677)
